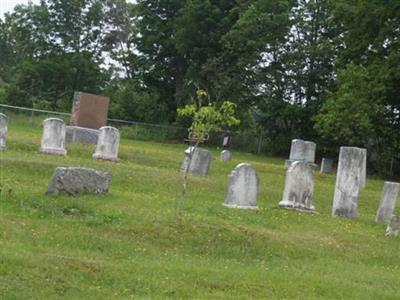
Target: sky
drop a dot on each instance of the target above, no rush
(8, 5)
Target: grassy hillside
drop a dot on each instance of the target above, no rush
(130, 244)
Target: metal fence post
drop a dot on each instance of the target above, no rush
(136, 131)
(31, 118)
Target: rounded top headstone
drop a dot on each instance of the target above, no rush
(54, 120)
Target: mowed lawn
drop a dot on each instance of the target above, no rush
(131, 244)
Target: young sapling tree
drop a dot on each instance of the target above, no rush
(205, 119)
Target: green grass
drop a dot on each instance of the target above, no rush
(130, 243)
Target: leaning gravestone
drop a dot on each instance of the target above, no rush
(200, 163)
(53, 139)
(299, 187)
(107, 144)
(242, 187)
(388, 201)
(350, 179)
(393, 228)
(302, 151)
(226, 155)
(326, 165)
(3, 131)
(74, 180)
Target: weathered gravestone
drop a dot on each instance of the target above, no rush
(242, 187)
(350, 179)
(53, 139)
(302, 151)
(226, 155)
(3, 131)
(326, 165)
(388, 201)
(299, 187)
(89, 111)
(393, 228)
(107, 144)
(200, 163)
(82, 135)
(75, 180)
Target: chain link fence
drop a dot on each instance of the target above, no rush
(244, 141)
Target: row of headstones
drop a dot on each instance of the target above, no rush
(54, 139)
(243, 185)
(243, 181)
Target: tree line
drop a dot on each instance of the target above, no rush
(323, 70)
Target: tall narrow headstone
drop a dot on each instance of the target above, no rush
(3, 131)
(350, 179)
(302, 151)
(107, 144)
(242, 187)
(200, 162)
(53, 139)
(226, 155)
(388, 201)
(326, 165)
(299, 187)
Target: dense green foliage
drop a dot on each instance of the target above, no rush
(130, 243)
(307, 69)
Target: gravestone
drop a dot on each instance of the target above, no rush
(82, 135)
(75, 180)
(226, 155)
(200, 163)
(89, 111)
(302, 151)
(242, 187)
(326, 165)
(393, 228)
(299, 187)
(107, 144)
(388, 201)
(53, 139)
(350, 179)
(3, 131)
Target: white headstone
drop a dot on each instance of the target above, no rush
(107, 144)
(200, 162)
(297, 150)
(388, 201)
(53, 139)
(242, 187)
(299, 187)
(309, 151)
(350, 179)
(302, 151)
(326, 165)
(3, 131)
(226, 155)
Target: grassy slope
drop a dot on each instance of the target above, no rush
(129, 243)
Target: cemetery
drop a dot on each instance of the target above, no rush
(89, 227)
